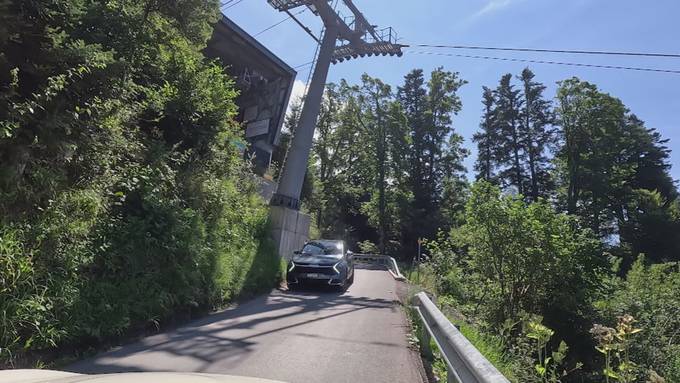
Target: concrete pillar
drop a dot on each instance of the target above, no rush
(290, 230)
(295, 166)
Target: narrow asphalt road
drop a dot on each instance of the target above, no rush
(308, 336)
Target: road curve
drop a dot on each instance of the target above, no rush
(309, 336)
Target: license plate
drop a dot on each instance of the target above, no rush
(315, 276)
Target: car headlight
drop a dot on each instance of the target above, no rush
(292, 266)
(335, 267)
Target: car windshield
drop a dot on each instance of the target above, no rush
(314, 248)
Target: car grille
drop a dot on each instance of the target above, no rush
(328, 270)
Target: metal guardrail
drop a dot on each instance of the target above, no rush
(384, 260)
(464, 363)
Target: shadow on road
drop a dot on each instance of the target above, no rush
(229, 336)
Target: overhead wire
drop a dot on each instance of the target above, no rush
(229, 4)
(580, 52)
(279, 23)
(640, 69)
(303, 65)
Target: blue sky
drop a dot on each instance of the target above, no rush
(621, 25)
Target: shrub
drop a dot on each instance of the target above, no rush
(529, 258)
(650, 294)
(123, 200)
(513, 259)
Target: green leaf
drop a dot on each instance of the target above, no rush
(540, 369)
(610, 373)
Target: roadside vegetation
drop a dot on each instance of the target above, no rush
(124, 202)
(560, 261)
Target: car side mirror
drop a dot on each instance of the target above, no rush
(349, 252)
(297, 252)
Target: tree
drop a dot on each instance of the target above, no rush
(429, 109)
(650, 226)
(330, 163)
(455, 189)
(583, 112)
(536, 135)
(381, 121)
(511, 152)
(516, 136)
(611, 165)
(414, 101)
(487, 139)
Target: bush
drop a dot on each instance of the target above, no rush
(527, 257)
(123, 199)
(512, 259)
(651, 294)
(26, 318)
(368, 247)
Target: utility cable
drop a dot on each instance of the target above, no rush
(232, 5)
(279, 23)
(580, 52)
(303, 65)
(640, 69)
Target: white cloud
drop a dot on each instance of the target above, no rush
(493, 6)
(298, 91)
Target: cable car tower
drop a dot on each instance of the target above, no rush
(345, 38)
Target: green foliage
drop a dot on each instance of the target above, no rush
(533, 259)
(516, 135)
(608, 162)
(651, 225)
(26, 317)
(368, 247)
(548, 363)
(433, 155)
(123, 201)
(512, 258)
(650, 294)
(494, 350)
(406, 179)
(614, 344)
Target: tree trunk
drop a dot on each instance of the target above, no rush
(515, 149)
(532, 170)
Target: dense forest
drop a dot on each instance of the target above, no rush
(124, 202)
(562, 257)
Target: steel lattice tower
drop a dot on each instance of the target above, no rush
(345, 38)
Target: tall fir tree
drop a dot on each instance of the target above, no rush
(537, 135)
(487, 139)
(429, 108)
(511, 154)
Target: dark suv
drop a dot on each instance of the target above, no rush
(325, 261)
